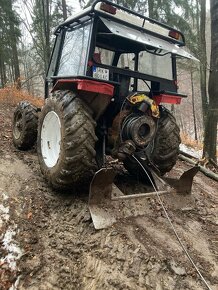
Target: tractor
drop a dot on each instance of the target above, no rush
(111, 72)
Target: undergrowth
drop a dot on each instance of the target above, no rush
(187, 140)
(12, 96)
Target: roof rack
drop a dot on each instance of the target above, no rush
(144, 18)
(145, 23)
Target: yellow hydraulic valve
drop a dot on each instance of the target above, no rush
(140, 98)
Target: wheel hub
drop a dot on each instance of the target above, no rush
(18, 125)
(51, 139)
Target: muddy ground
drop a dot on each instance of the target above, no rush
(48, 240)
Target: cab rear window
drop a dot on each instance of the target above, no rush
(74, 51)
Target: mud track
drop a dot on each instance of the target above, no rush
(48, 240)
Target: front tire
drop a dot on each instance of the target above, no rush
(24, 128)
(66, 140)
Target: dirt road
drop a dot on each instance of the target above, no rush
(48, 240)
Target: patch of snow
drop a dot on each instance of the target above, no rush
(4, 196)
(9, 244)
(4, 212)
(16, 284)
(193, 152)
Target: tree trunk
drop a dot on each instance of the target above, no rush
(14, 51)
(210, 135)
(46, 28)
(203, 60)
(210, 138)
(3, 73)
(151, 8)
(193, 105)
(64, 7)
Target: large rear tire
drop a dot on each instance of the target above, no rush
(66, 140)
(165, 147)
(25, 122)
(166, 144)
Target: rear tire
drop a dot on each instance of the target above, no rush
(165, 149)
(66, 140)
(166, 144)
(25, 122)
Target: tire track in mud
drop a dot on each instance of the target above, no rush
(136, 254)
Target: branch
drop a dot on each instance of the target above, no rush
(37, 75)
(207, 172)
(187, 154)
(214, 163)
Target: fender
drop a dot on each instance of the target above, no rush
(96, 94)
(84, 85)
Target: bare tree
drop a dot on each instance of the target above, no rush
(64, 7)
(9, 35)
(203, 58)
(210, 138)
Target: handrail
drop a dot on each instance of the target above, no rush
(92, 9)
(137, 14)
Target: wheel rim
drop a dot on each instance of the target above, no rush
(17, 125)
(51, 139)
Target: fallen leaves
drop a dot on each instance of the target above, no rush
(29, 215)
(12, 96)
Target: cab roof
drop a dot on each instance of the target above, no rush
(128, 24)
(124, 15)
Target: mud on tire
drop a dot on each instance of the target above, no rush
(24, 128)
(166, 144)
(73, 161)
(165, 147)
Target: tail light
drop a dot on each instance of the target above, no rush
(108, 8)
(175, 34)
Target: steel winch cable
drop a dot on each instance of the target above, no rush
(174, 230)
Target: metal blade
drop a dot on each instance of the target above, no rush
(99, 198)
(107, 203)
(183, 185)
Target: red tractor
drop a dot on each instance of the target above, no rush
(110, 73)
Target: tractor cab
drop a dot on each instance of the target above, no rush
(107, 43)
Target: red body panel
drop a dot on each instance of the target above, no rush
(85, 85)
(169, 99)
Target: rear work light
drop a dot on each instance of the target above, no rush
(108, 8)
(175, 34)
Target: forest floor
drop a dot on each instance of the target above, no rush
(48, 241)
